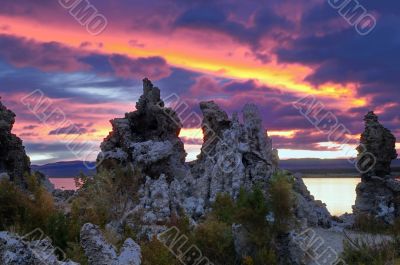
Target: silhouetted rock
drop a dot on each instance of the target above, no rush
(381, 143)
(13, 160)
(378, 195)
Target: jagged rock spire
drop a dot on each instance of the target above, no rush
(377, 146)
(151, 96)
(370, 118)
(378, 193)
(147, 138)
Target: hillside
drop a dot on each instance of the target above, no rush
(305, 166)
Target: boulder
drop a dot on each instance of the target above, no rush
(312, 212)
(100, 252)
(15, 250)
(130, 253)
(97, 250)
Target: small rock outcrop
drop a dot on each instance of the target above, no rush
(100, 252)
(17, 250)
(378, 194)
(14, 162)
(309, 211)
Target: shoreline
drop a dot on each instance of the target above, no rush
(338, 175)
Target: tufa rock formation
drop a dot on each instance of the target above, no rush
(17, 250)
(14, 162)
(378, 194)
(233, 155)
(99, 252)
(147, 138)
(309, 211)
(377, 148)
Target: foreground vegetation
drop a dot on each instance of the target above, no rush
(109, 195)
(372, 252)
(379, 246)
(24, 211)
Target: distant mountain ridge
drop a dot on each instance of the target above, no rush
(304, 165)
(67, 169)
(330, 166)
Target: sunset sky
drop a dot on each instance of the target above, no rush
(270, 53)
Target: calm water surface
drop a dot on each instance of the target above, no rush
(338, 193)
(63, 183)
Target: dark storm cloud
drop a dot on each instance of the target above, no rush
(30, 127)
(209, 16)
(76, 128)
(341, 55)
(55, 57)
(50, 56)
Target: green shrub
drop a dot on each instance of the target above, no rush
(247, 260)
(23, 211)
(371, 253)
(155, 253)
(105, 197)
(13, 204)
(101, 199)
(223, 208)
(182, 223)
(265, 255)
(214, 237)
(58, 229)
(251, 208)
(215, 240)
(76, 253)
(281, 200)
(369, 224)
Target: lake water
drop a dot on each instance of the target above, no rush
(63, 183)
(337, 193)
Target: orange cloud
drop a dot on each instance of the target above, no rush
(226, 58)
